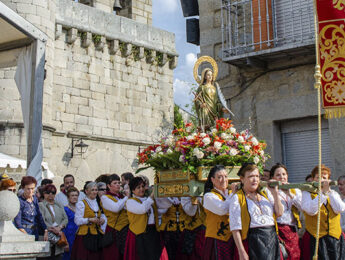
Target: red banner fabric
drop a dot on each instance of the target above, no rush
(331, 25)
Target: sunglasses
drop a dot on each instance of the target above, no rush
(50, 192)
(102, 189)
(13, 190)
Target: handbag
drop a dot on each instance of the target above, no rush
(59, 240)
(63, 240)
(93, 242)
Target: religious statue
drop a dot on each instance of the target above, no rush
(209, 100)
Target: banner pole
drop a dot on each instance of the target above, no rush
(317, 85)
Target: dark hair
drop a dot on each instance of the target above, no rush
(245, 168)
(86, 183)
(49, 187)
(266, 170)
(27, 180)
(62, 185)
(135, 182)
(208, 184)
(275, 167)
(102, 178)
(341, 178)
(46, 181)
(70, 190)
(324, 168)
(308, 176)
(128, 176)
(111, 178)
(67, 176)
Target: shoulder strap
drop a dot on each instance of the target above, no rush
(51, 213)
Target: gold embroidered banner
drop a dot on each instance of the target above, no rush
(331, 24)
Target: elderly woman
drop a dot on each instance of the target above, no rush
(289, 221)
(89, 218)
(102, 189)
(331, 243)
(218, 243)
(29, 218)
(143, 240)
(8, 184)
(55, 218)
(71, 228)
(253, 217)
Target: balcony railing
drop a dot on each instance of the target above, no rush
(265, 27)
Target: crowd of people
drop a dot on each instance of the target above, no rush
(117, 217)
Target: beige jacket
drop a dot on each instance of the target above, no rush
(60, 218)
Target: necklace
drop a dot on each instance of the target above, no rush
(256, 201)
(71, 207)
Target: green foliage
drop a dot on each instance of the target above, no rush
(178, 119)
(136, 52)
(96, 38)
(159, 58)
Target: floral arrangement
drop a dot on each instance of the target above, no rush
(188, 148)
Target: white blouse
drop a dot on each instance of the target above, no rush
(214, 204)
(113, 206)
(287, 218)
(80, 209)
(310, 206)
(342, 220)
(189, 208)
(145, 207)
(261, 213)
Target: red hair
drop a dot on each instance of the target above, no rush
(324, 168)
(5, 184)
(27, 180)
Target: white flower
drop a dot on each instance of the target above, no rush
(225, 136)
(206, 140)
(195, 151)
(170, 140)
(243, 132)
(217, 145)
(246, 148)
(232, 130)
(200, 155)
(255, 141)
(240, 139)
(203, 134)
(194, 134)
(160, 153)
(181, 159)
(262, 153)
(233, 152)
(213, 130)
(188, 129)
(169, 151)
(256, 160)
(189, 137)
(158, 149)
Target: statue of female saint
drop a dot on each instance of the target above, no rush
(209, 100)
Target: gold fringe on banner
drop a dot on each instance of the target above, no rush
(335, 112)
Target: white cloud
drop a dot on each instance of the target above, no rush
(167, 6)
(190, 59)
(182, 95)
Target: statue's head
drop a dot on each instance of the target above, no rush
(207, 76)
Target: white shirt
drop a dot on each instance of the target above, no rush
(261, 213)
(61, 198)
(145, 207)
(287, 218)
(310, 206)
(188, 207)
(214, 204)
(80, 210)
(113, 206)
(342, 220)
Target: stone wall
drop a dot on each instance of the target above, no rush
(109, 82)
(263, 98)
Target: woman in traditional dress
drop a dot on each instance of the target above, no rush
(143, 240)
(71, 228)
(113, 203)
(219, 244)
(29, 219)
(172, 224)
(289, 221)
(331, 243)
(102, 189)
(252, 218)
(55, 218)
(89, 219)
(192, 240)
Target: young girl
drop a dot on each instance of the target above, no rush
(331, 243)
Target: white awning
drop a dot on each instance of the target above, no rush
(7, 161)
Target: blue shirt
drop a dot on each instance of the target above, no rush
(70, 231)
(29, 217)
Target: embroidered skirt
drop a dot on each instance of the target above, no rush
(79, 252)
(117, 249)
(143, 246)
(290, 237)
(216, 249)
(191, 244)
(329, 247)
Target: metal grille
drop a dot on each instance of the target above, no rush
(254, 25)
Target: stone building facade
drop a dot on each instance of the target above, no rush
(108, 81)
(269, 87)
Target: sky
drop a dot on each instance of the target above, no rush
(167, 15)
